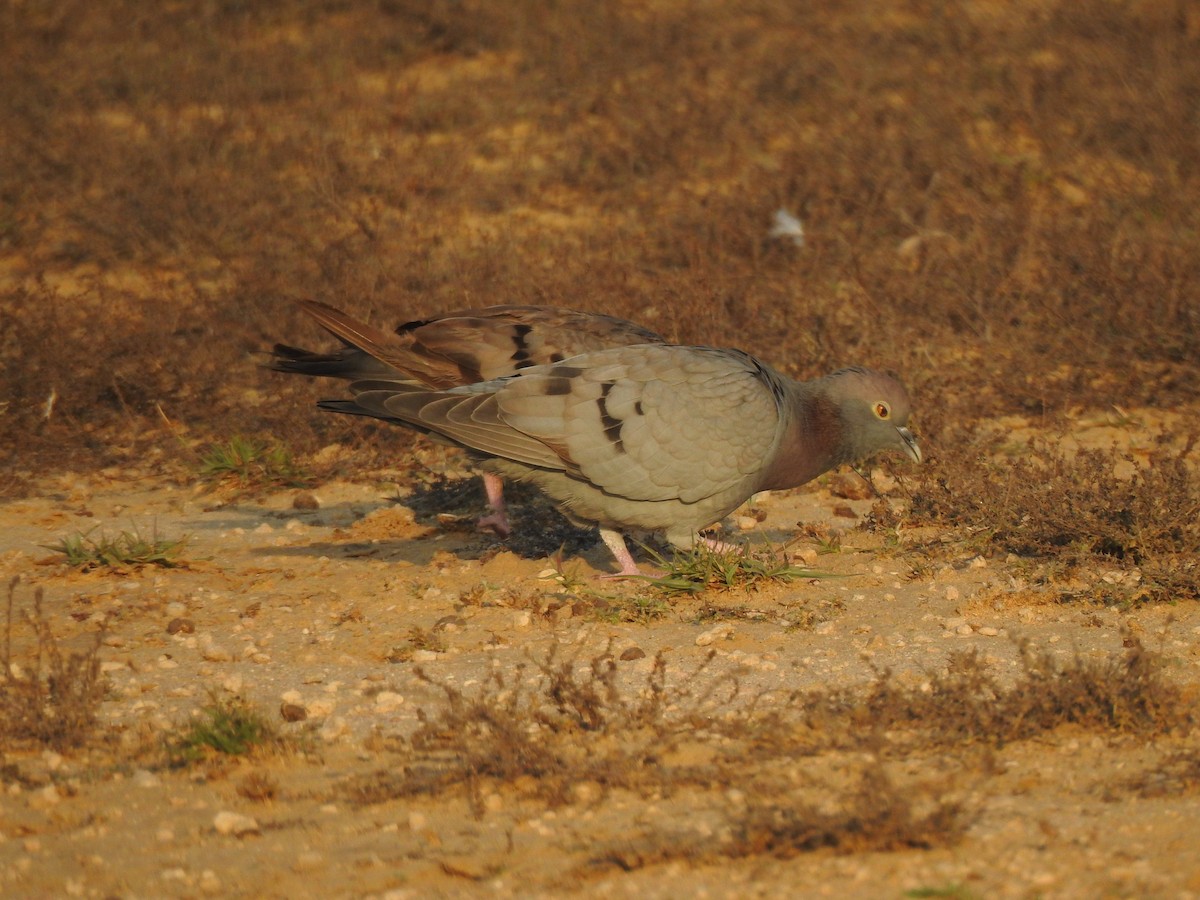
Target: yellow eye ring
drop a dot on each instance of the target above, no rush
(882, 410)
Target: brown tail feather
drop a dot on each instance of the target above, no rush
(382, 345)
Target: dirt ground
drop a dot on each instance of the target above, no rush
(984, 682)
(305, 607)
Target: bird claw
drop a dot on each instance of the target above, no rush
(496, 523)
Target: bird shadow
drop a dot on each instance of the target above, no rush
(448, 508)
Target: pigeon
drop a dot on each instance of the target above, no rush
(646, 437)
(459, 348)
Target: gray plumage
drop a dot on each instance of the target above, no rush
(650, 436)
(457, 348)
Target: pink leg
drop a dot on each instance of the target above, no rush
(616, 545)
(718, 546)
(497, 520)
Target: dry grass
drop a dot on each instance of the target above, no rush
(51, 698)
(1042, 502)
(1000, 206)
(580, 733)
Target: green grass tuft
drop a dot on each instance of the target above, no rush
(702, 568)
(231, 727)
(252, 463)
(128, 549)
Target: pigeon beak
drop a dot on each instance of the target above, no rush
(909, 444)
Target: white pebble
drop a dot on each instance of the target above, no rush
(386, 701)
(320, 708)
(333, 729)
(234, 823)
(215, 653)
(723, 631)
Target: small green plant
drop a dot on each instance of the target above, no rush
(252, 463)
(949, 892)
(228, 726)
(127, 549)
(640, 608)
(55, 701)
(702, 568)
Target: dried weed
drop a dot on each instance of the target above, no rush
(54, 698)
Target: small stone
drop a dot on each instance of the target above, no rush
(145, 779)
(632, 653)
(493, 803)
(850, 487)
(321, 707)
(309, 861)
(181, 626)
(954, 624)
(387, 701)
(747, 523)
(209, 882)
(305, 500)
(723, 631)
(807, 555)
(989, 631)
(234, 823)
(215, 653)
(333, 729)
(292, 712)
(586, 792)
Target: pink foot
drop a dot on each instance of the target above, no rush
(497, 520)
(616, 545)
(496, 523)
(718, 546)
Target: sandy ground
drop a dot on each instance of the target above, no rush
(315, 609)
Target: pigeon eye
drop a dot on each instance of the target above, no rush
(882, 410)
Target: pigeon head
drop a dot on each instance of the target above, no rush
(874, 409)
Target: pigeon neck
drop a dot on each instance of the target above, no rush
(812, 442)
